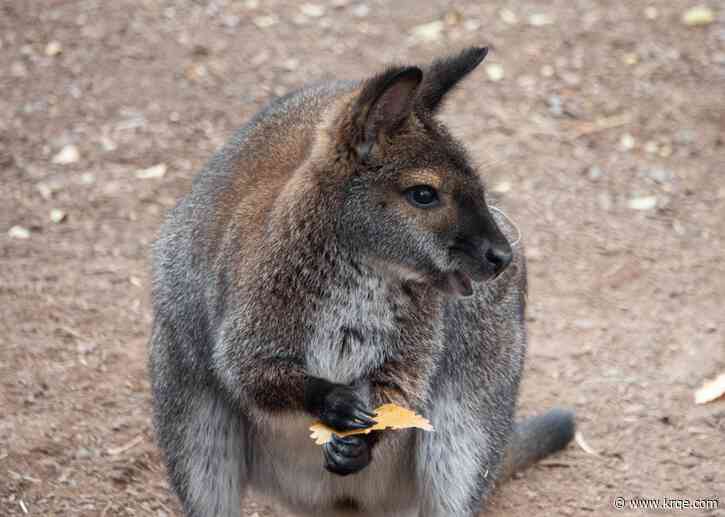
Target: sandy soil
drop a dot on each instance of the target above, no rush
(603, 139)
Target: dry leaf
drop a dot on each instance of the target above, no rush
(711, 391)
(388, 416)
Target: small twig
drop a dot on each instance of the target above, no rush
(554, 464)
(600, 124)
(23, 507)
(105, 510)
(115, 451)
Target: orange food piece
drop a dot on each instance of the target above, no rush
(388, 416)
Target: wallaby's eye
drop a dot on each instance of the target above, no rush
(422, 196)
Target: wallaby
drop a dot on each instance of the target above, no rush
(337, 254)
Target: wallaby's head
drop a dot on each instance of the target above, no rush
(412, 201)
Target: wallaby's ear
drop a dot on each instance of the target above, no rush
(445, 73)
(384, 103)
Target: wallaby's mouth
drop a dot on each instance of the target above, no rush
(457, 282)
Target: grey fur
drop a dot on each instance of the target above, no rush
(286, 260)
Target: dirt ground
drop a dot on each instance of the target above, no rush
(599, 124)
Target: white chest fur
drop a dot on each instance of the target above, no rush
(352, 333)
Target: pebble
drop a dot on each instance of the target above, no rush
(453, 17)
(526, 82)
(495, 72)
(471, 25)
(697, 16)
(196, 71)
(501, 187)
(57, 216)
(19, 232)
(69, 154)
(547, 71)
(627, 142)
(651, 147)
(659, 175)
(87, 178)
(83, 453)
(291, 64)
(259, 59)
(685, 136)
(555, 105)
(264, 21)
(642, 203)
(571, 78)
(231, 21)
(156, 171)
(53, 49)
(86, 347)
(595, 172)
(431, 31)
(630, 58)
(48, 190)
(508, 16)
(313, 10)
(360, 11)
(540, 19)
(604, 199)
(107, 144)
(18, 69)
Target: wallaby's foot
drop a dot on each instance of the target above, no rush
(536, 437)
(346, 455)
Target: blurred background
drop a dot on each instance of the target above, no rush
(598, 124)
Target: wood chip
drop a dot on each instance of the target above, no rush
(700, 15)
(157, 171)
(53, 48)
(69, 154)
(19, 232)
(643, 203)
(57, 216)
(428, 32)
(711, 391)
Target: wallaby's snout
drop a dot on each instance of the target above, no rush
(480, 251)
(483, 258)
(500, 255)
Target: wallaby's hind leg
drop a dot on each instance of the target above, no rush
(202, 440)
(454, 461)
(457, 462)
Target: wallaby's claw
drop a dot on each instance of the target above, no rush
(344, 410)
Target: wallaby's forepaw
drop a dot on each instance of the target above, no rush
(346, 455)
(344, 410)
(338, 406)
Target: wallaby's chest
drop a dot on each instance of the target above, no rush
(354, 331)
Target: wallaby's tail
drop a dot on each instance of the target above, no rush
(537, 437)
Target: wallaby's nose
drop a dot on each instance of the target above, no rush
(500, 256)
